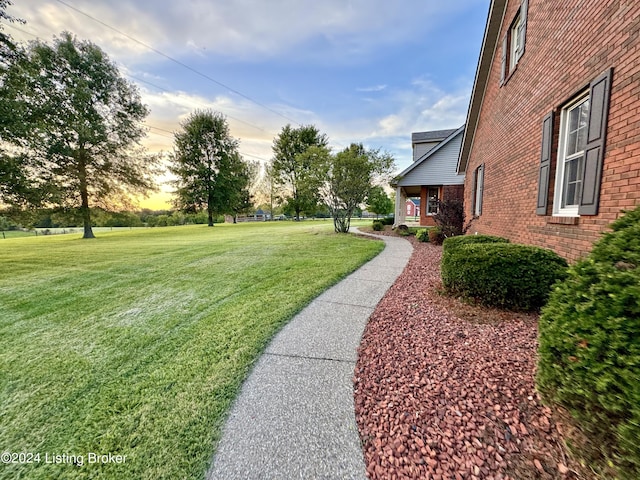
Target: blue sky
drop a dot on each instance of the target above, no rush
(370, 71)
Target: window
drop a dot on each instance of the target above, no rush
(477, 190)
(513, 42)
(432, 200)
(517, 37)
(571, 149)
(580, 153)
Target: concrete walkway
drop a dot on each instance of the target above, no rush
(294, 417)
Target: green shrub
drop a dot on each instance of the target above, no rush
(589, 355)
(505, 275)
(422, 235)
(454, 242)
(378, 226)
(387, 220)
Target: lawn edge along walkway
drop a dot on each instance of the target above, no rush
(294, 416)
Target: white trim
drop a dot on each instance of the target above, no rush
(562, 158)
(515, 43)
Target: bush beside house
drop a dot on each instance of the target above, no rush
(589, 356)
(505, 275)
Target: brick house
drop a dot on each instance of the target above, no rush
(412, 207)
(551, 150)
(432, 176)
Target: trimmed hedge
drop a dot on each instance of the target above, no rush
(589, 355)
(505, 275)
(455, 242)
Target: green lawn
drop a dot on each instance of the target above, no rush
(136, 343)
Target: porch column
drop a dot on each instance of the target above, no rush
(401, 211)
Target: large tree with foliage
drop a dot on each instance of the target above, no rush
(351, 176)
(297, 167)
(210, 173)
(71, 125)
(379, 202)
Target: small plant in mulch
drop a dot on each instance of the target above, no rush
(422, 235)
(436, 236)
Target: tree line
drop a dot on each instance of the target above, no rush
(71, 128)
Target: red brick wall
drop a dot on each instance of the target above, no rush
(568, 43)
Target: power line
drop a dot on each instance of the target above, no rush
(155, 86)
(178, 62)
(168, 91)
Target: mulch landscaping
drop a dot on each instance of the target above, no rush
(445, 389)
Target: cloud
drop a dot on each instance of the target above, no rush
(375, 88)
(249, 29)
(425, 106)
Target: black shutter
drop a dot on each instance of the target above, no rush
(599, 92)
(505, 46)
(545, 165)
(524, 7)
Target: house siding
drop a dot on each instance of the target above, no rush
(419, 149)
(568, 44)
(439, 169)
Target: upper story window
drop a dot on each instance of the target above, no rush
(517, 41)
(513, 42)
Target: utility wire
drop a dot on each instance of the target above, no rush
(178, 62)
(168, 91)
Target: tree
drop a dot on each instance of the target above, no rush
(350, 178)
(73, 125)
(210, 173)
(379, 202)
(298, 169)
(8, 48)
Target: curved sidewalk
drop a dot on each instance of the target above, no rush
(294, 417)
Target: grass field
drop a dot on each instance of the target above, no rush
(135, 343)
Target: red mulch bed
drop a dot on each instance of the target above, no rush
(445, 390)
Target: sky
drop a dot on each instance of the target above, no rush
(364, 71)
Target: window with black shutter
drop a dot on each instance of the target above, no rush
(581, 145)
(513, 42)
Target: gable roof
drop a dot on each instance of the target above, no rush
(443, 147)
(432, 136)
(487, 53)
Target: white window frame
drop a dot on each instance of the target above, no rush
(429, 200)
(563, 158)
(479, 190)
(515, 40)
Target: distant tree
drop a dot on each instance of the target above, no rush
(351, 176)
(297, 167)
(72, 126)
(379, 202)
(210, 173)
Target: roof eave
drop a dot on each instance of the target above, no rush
(487, 54)
(428, 154)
